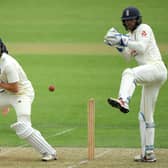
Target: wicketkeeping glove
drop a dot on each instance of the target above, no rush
(124, 40)
(113, 38)
(117, 39)
(111, 32)
(109, 37)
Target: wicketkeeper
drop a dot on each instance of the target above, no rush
(17, 91)
(150, 73)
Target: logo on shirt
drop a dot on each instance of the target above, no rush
(19, 101)
(144, 34)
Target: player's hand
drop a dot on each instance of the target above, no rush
(111, 32)
(113, 40)
(124, 40)
(117, 39)
(120, 48)
(111, 37)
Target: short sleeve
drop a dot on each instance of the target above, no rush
(12, 73)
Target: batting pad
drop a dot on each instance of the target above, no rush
(22, 129)
(33, 137)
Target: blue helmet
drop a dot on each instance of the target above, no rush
(130, 13)
(3, 48)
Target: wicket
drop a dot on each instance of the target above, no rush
(91, 128)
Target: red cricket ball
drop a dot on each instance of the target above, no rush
(51, 88)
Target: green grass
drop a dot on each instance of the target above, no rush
(78, 78)
(75, 21)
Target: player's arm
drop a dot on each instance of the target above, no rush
(12, 87)
(112, 38)
(12, 79)
(141, 43)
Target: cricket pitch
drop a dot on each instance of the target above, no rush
(27, 157)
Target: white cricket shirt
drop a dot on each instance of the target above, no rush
(11, 71)
(143, 45)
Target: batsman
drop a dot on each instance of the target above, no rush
(17, 91)
(150, 73)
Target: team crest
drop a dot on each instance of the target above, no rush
(127, 12)
(144, 34)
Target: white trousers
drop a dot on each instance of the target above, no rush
(22, 106)
(150, 77)
(21, 103)
(153, 75)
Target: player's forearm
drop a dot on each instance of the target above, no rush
(12, 87)
(126, 53)
(138, 46)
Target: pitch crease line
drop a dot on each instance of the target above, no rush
(24, 145)
(87, 161)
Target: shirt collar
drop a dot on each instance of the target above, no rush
(2, 57)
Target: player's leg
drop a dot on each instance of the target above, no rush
(146, 122)
(127, 87)
(150, 98)
(144, 74)
(35, 139)
(142, 128)
(4, 103)
(25, 131)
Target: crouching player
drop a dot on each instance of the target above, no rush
(16, 90)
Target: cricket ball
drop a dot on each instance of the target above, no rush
(51, 88)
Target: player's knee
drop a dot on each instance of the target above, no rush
(24, 118)
(127, 71)
(129, 74)
(23, 130)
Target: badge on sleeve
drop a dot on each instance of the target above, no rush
(144, 34)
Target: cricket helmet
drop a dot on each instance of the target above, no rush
(130, 13)
(3, 48)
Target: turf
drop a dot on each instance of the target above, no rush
(79, 77)
(77, 158)
(75, 21)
